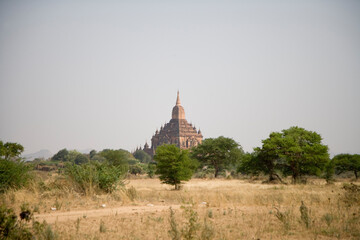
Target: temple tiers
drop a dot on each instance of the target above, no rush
(178, 131)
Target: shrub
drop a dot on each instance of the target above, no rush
(13, 228)
(94, 176)
(13, 174)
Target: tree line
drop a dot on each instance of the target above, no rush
(294, 152)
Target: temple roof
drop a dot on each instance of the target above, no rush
(178, 111)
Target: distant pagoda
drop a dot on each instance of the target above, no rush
(178, 131)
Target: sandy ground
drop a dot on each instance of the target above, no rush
(73, 215)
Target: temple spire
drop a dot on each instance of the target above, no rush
(178, 99)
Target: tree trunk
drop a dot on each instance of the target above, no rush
(216, 172)
(356, 175)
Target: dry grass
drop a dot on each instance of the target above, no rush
(221, 209)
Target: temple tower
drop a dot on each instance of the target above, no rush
(177, 131)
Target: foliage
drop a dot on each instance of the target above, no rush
(174, 232)
(81, 159)
(142, 156)
(14, 172)
(93, 176)
(62, 155)
(117, 157)
(13, 228)
(347, 162)
(218, 153)
(192, 226)
(174, 165)
(329, 171)
(294, 151)
(151, 169)
(92, 154)
(9, 151)
(136, 169)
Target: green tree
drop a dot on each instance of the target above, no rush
(10, 150)
(142, 156)
(218, 153)
(81, 159)
(303, 152)
(294, 151)
(62, 155)
(347, 162)
(174, 165)
(117, 157)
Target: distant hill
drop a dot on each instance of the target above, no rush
(40, 154)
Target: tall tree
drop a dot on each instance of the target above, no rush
(347, 162)
(218, 152)
(174, 165)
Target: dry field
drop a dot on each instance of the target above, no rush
(203, 209)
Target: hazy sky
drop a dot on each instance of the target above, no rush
(104, 74)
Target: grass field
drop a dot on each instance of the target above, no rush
(203, 209)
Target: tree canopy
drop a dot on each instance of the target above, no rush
(62, 155)
(142, 156)
(10, 150)
(294, 151)
(347, 162)
(217, 152)
(174, 165)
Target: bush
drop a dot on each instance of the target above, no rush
(13, 228)
(94, 176)
(13, 174)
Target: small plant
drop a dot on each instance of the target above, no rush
(77, 225)
(49, 234)
(174, 232)
(283, 217)
(210, 213)
(58, 204)
(131, 193)
(305, 216)
(102, 227)
(207, 232)
(328, 218)
(191, 227)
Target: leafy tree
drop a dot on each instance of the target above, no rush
(347, 162)
(294, 151)
(116, 157)
(303, 152)
(62, 155)
(81, 159)
(174, 165)
(73, 155)
(142, 156)
(218, 153)
(10, 150)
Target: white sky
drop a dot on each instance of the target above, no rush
(104, 74)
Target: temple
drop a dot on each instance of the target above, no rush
(178, 131)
